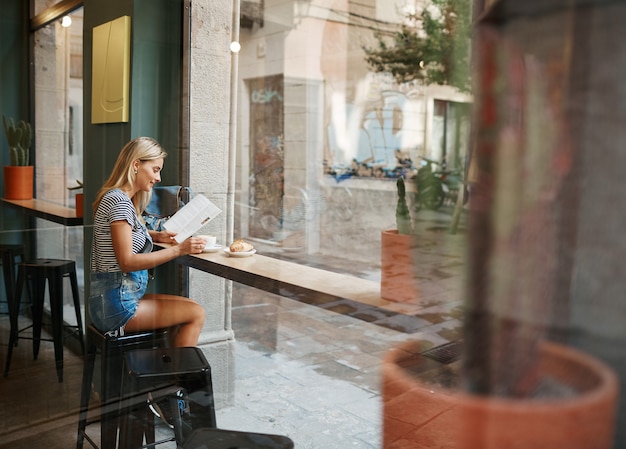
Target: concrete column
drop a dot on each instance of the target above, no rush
(210, 71)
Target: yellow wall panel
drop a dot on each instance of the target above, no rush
(111, 71)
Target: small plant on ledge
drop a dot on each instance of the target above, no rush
(19, 174)
(19, 139)
(79, 198)
(403, 215)
(396, 262)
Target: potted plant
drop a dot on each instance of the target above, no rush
(79, 197)
(397, 249)
(513, 387)
(18, 176)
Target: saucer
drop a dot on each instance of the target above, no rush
(213, 249)
(239, 253)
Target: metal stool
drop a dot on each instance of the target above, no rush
(232, 439)
(111, 350)
(179, 375)
(36, 272)
(8, 254)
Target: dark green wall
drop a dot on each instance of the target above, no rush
(14, 97)
(156, 76)
(154, 93)
(14, 94)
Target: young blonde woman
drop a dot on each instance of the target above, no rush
(122, 253)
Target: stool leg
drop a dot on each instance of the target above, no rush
(55, 286)
(79, 319)
(131, 427)
(149, 431)
(85, 393)
(9, 280)
(37, 295)
(14, 311)
(111, 378)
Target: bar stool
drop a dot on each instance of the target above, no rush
(111, 350)
(8, 254)
(233, 439)
(178, 375)
(35, 273)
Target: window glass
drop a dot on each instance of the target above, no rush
(41, 5)
(58, 96)
(324, 135)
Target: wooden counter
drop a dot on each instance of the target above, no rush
(46, 211)
(288, 279)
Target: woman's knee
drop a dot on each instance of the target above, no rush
(198, 312)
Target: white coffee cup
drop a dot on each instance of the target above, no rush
(211, 240)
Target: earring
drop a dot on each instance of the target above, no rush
(135, 171)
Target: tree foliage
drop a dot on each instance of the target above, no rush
(432, 46)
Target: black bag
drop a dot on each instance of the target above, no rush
(165, 202)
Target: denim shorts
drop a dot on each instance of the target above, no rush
(114, 298)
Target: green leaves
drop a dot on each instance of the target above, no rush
(403, 215)
(432, 46)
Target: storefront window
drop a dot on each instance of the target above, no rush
(58, 97)
(323, 136)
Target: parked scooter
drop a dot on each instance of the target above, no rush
(429, 186)
(437, 187)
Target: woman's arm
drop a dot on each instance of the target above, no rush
(121, 235)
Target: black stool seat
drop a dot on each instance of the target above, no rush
(232, 439)
(36, 272)
(9, 252)
(111, 350)
(180, 375)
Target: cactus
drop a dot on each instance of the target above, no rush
(19, 139)
(403, 215)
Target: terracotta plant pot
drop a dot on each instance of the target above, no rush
(419, 416)
(18, 182)
(79, 204)
(397, 281)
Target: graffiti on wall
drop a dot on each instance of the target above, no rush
(267, 154)
(378, 134)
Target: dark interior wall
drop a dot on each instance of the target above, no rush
(102, 142)
(14, 93)
(154, 87)
(156, 77)
(14, 97)
(154, 96)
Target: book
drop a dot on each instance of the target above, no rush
(191, 217)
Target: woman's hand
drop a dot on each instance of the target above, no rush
(193, 245)
(163, 236)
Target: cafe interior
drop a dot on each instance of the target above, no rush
(269, 109)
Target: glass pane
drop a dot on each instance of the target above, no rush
(58, 54)
(42, 5)
(323, 136)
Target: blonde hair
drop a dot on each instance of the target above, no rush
(123, 175)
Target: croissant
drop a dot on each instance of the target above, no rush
(240, 246)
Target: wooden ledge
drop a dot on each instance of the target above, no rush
(46, 210)
(288, 279)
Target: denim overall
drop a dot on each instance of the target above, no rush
(115, 295)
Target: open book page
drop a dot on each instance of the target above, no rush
(195, 214)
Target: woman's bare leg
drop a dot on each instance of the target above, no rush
(156, 311)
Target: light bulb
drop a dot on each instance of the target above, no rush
(235, 46)
(66, 21)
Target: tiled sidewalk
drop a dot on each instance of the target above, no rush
(313, 374)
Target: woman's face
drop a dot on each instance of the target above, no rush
(148, 173)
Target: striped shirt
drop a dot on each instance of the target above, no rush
(114, 206)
